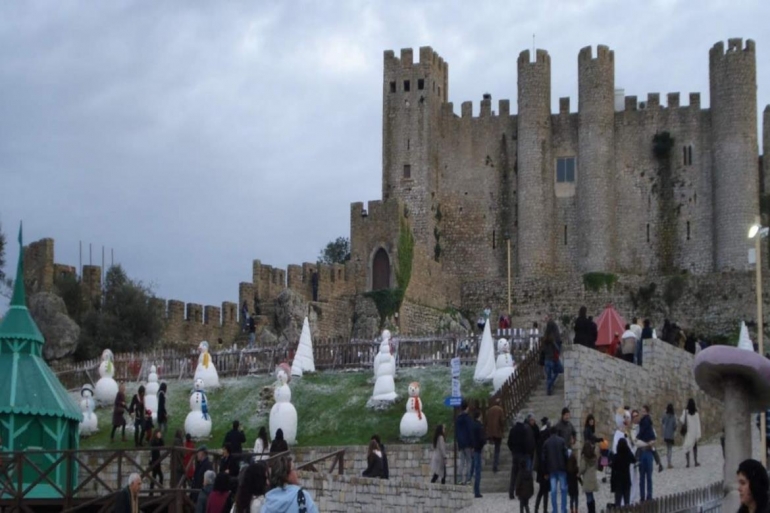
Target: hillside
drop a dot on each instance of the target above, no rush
(330, 406)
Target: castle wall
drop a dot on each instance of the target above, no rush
(476, 182)
(766, 149)
(564, 230)
(39, 266)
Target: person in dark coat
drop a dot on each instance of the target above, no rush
(385, 471)
(279, 443)
(525, 487)
(583, 329)
(162, 412)
(620, 480)
(374, 467)
(118, 409)
(564, 427)
(555, 463)
(202, 465)
(573, 473)
(128, 498)
(236, 438)
(464, 444)
(589, 430)
(156, 470)
(136, 409)
(228, 464)
(479, 439)
(594, 332)
(521, 442)
(495, 423)
(753, 486)
(544, 484)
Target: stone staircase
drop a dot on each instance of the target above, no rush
(542, 405)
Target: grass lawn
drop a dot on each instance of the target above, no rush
(331, 406)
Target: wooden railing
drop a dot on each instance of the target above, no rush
(89, 479)
(701, 500)
(338, 462)
(329, 354)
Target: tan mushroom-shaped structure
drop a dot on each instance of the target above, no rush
(741, 379)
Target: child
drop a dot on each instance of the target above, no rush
(573, 470)
(525, 487)
(588, 466)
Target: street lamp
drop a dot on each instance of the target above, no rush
(757, 232)
(507, 238)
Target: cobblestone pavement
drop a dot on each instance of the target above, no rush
(676, 480)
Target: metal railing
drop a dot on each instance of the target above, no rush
(700, 500)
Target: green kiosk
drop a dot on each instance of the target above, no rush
(37, 415)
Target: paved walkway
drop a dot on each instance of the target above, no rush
(676, 480)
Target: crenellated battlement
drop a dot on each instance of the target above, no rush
(735, 46)
(541, 58)
(603, 53)
(673, 102)
(485, 109)
(428, 59)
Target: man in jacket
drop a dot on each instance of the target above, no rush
(521, 442)
(128, 500)
(494, 428)
(564, 427)
(645, 440)
(236, 438)
(463, 437)
(555, 466)
(202, 465)
(478, 440)
(628, 344)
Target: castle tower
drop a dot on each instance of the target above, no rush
(595, 165)
(766, 148)
(733, 90)
(412, 97)
(535, 169)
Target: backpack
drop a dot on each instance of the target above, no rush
(301, 501)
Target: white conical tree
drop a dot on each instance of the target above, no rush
(305, 349)
(485, 364)
(744, 342)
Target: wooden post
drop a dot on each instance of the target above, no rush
(454, 426)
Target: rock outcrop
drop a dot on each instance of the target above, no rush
(61, 333)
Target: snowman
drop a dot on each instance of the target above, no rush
(89, 424)
(382, 355)
(106, 387)
(414, 425)
(384, 387)
(283, 415)
(505, 365)
(205, 369)
(151, 393)
(198, 421)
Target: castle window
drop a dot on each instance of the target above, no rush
(648, 232)
(434, 86)
(688, 230)
(565, 170)
(439, 91)
(392, 87)
(407, 171)
(408, 144)
(687, 155)
(565, 234)
(420, 84)
(406, 86)
(494, 239)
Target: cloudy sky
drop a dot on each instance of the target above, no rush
(194, 137)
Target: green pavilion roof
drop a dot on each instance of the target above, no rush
(27, 384)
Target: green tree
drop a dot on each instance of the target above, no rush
(6, 284)
(124, 321)
(336, 252)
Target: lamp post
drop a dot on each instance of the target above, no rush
(756, 232)
(508, 245)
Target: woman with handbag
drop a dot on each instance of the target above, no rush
(691, 431)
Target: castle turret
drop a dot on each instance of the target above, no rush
(412, 98)
(733, 89)
(596, 147)
(535, 169)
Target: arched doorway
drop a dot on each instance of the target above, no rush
(381, 270)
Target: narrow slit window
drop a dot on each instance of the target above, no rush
(689, 155)
(420, 84)
(406, 86)
(684, 155)
(392, 87)
(688, 230)
(408, 144)
(407, 171)
(648, 232)
(434, 86)
(565, 234)
(494, 239)
(439, 91)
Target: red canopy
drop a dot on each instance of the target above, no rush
(609, 323)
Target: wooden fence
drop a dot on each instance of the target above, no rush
(91, 480)
(329, 354)
(701, 500)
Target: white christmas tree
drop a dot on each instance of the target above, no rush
(744, 342)
(305, 349)
(485, 365)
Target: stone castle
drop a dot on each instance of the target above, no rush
(645, 193)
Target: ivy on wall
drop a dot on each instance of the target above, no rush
(595, 281)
